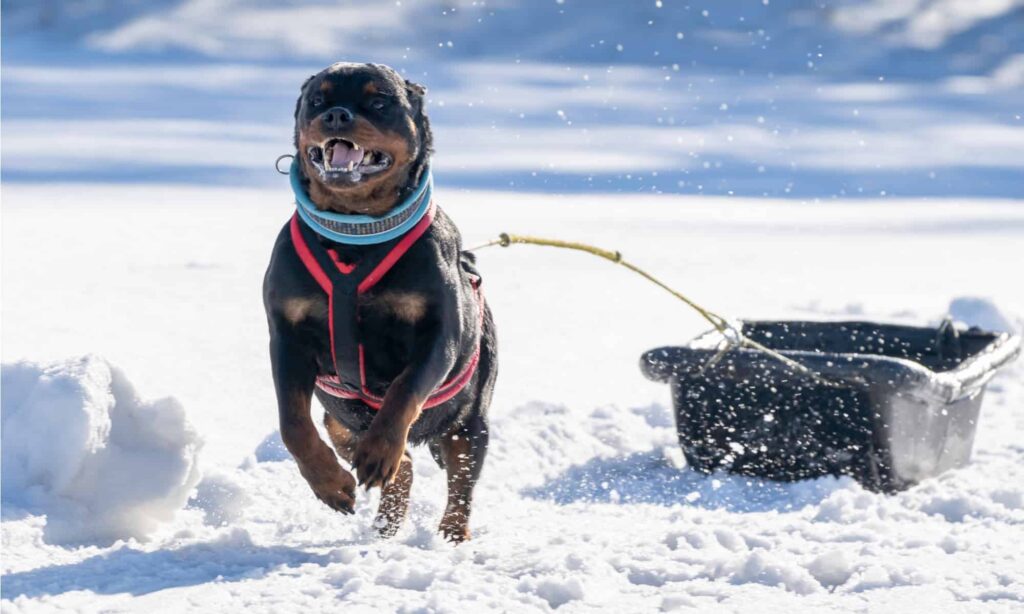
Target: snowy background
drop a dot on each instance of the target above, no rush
(854, 159)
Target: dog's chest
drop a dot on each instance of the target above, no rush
(406, 306)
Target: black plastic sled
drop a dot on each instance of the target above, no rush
(901, 406)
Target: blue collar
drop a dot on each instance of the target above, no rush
(362, 229)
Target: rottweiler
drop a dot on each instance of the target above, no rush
(392, 335)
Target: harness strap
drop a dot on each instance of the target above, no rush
(343, 283)
(332, 384)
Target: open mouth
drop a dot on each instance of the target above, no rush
(344, 159)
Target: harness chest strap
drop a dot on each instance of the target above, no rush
(343, 283)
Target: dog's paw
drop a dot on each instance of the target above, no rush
(378, 457)
(337, 491)
(454, 529)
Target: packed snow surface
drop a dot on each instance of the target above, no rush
(585, 502)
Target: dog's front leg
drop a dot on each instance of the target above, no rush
(294, 377)
(380, 451)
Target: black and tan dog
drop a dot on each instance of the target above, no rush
(398, 349)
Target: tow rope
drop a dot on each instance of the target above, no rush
(732, 337)
(364, 230)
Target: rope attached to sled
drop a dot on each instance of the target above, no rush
(731, 335)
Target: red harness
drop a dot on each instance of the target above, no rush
(343, 283)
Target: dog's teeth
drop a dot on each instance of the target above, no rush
(356, 176)
(351, 165)
(367, 158)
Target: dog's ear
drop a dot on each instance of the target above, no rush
(415, 92)
(415, 89)
(298, 107)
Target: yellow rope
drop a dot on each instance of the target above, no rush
(730, 333)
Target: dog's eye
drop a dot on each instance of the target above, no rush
(378, 104)
(317, 100)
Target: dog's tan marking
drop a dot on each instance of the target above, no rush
(406, 306)
(394, 498)
(299, 308)
(326, 86)
(343, 440)
(370, 89)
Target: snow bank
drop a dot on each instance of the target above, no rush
(983, 313)
(271, 449)
(80, 447)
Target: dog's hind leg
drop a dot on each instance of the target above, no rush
(462, 453)
(394, 498)
(343, 440)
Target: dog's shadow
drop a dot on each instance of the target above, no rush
(648, 477)
(137, 572)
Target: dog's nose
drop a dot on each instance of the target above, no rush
(337, 117)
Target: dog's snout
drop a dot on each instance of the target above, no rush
(337, 117)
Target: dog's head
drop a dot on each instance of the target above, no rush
(362, 137)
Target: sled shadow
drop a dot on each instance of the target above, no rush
(647, 477)
(137, 572)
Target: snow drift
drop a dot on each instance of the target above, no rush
(80, 447)
(983, 313)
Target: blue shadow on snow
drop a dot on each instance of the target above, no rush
(646, 477)
(137, 572)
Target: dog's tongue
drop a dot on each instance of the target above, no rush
(342, 154)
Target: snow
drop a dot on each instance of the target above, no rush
(883, 182)
(81, 448)
(831, 568)
(585, 501)
(983, 313)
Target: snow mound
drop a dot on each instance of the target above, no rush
(831, 569)
(221, 498)
(981, 312)
(80, 447)
(271, 449)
